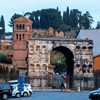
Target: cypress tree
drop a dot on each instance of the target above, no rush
(3, 24)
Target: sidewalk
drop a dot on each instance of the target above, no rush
(56, 90)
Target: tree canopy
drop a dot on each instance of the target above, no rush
(46, 18)
(4, 59)
(12, 19)
(98, 25)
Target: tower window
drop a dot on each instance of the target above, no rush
(17, 36)
(23, 26)
(20, 37)
(17, 27)
(20, 26)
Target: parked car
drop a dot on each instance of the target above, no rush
(5, 91)
(11, 82)
(95, 95)
(28, 86)
(17, 93)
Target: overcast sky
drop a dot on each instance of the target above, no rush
(9, 7)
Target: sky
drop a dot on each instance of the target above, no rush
(9, 7)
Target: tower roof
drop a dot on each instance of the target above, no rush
(22, 19)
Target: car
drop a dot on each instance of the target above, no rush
(5, 90)
(28, 86)
(19, 91)
(11, 82)
(95, 95)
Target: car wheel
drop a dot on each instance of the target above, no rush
(18, 95)
(4, 96)
(25, 94)
(30, 93)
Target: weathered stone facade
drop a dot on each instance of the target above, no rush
(78, 53)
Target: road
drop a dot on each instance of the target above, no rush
(55, 95)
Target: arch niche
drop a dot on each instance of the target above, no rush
(69, 62)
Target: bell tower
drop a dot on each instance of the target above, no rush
(22, 32)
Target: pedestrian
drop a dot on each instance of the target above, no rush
(62, 86)
(65, 86)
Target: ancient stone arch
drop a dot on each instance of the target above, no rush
(76, 54)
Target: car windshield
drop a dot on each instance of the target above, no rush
(14, 87)
(98, 89)
(26, 85)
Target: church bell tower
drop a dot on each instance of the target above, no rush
(22, 32)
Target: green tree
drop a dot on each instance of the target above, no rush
(50, 18)
(74, 18)
(3, 58)
(57, 59)
(87, 20)
(98, 25)
(66, 17)
(13, 18)
(64, 28)
(9, 61)
(27, 14)
(3, 24)
(46, 18)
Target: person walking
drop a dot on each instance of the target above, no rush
(62, 86)
(65, 86)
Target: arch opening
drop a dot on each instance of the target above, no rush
(69, 63)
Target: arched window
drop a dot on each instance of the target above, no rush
(78, 47)
(84, 50)
(17, 36)
(90, 48)
(37, 48)
(32, 65)
(78, 65)
(20, 26)
(38, 67)
(23, 26)
(17, 27)
(44, 48)
(44, 67)
(84, 47)
(83, 66)
(90, 65)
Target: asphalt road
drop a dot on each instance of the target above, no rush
(55, 95)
